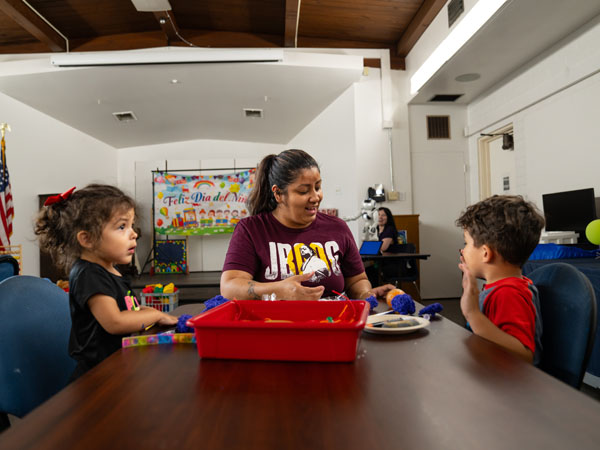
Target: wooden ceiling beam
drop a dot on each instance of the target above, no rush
(292, 18)
(150, 39)
(33, 24)
(417, 26)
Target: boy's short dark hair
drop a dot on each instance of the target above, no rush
(507, 223)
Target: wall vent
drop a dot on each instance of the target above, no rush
(455, 9)
(124, 116)
(253, 113)
(445, 97)
(438, 127)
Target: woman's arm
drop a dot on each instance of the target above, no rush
(237, 284)
(386, 242)
(114, 321)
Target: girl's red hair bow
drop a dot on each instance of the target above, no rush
(59, 198)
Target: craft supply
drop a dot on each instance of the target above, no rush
(181, 324)
(291, 330)
(215, 301)
(391, 294)
(383, 313)
(403, 304)
(394, 323)
(431, 310)
(340, 296)
(155, 339)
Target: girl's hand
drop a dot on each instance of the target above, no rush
(167, 319)
(292, 289)
(469, 301)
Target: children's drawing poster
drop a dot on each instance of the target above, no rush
(200, 204)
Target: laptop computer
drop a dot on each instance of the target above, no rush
(370, 248)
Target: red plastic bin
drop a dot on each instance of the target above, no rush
(237, 330)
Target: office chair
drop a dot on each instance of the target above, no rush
(568, 308)
(35, 324)
(399, 271)
(9, 266)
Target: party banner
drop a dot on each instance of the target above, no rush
(200, 204)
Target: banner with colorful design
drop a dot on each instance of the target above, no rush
(200, 204)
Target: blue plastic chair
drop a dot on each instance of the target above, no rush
(568, 307)
(35, 324)
(9, 267)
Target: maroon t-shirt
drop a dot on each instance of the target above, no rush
(270, 251)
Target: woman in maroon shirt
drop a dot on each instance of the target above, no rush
(286, 247)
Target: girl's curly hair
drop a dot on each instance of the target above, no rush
(87, 209)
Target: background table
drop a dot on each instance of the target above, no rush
(439, 388)
(369, 260)
(193, 287)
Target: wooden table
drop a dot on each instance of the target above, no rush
(438, 388)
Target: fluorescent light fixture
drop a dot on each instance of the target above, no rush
(166, 56)
(464, 30)
(151, 5)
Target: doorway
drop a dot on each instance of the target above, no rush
(497, 166)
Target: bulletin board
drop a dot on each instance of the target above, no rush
(170, 256)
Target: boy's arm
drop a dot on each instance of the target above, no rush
(480, 324)
(114, 321)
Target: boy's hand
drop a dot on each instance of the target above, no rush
(469, 302)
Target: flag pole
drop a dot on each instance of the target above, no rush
(4, 127)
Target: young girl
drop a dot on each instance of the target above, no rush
(90, 231)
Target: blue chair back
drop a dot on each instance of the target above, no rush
(568, 307)
(9, 267)
(35, 324)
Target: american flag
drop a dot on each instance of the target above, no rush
(6, 202)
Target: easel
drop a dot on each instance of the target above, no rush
(150, 256)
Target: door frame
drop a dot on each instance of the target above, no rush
(483, 156)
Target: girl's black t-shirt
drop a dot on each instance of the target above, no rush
(89, 343)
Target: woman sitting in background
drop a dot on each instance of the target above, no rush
(386, 230)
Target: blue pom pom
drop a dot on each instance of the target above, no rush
(372, 301)
(215, 301)
(403, 304)
(181, 326)
(431, 309)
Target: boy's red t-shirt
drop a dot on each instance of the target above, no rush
(510, 304)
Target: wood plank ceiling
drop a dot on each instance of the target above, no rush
(38, 26)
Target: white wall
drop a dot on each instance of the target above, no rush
(134, 169)
(45, 156)
(347, 140)
(553, 105)
(440, 186)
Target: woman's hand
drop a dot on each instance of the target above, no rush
(381, 291)
(292, 289)
(237, 284)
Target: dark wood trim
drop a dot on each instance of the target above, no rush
(168, 25)
(33, 24)
(418, 25)
(216, 39)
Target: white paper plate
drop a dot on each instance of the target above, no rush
(384, 318)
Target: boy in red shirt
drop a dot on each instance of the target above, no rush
(500, 233)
